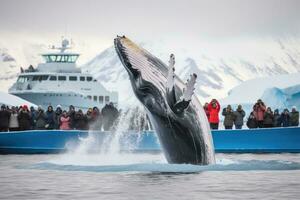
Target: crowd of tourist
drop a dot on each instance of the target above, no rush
(261, 116)
(24, 118)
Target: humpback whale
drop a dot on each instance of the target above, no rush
(174, 111)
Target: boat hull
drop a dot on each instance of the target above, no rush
(276, 140)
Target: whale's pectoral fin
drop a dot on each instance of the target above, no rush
(186, 98)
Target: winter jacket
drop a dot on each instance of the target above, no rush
(285, 120)
(80, 121)
(4, 118)
(50, 120)
(40, 120)
(268, 119)
(214, 112)
(277, 120)
(64, 123)
(251, 122)
(58, 113)
(13, 121)
(259, 112)
(71, 114)
(239, 117)
(229, 117)
(24, 120)
(294, 118)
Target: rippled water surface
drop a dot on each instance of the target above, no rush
(148, 176)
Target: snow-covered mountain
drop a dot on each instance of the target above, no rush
(8, 67)
(220, 65)
(218, 70)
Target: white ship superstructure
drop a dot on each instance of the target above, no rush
(59, 82)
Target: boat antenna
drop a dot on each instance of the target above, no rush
(65, 44)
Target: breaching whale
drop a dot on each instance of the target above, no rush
(174, 112)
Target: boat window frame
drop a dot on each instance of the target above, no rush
(53, 79)
(107, 99)
(89, 78)
(82, 78)
(65, 78)
(101, 99)
(73, 78)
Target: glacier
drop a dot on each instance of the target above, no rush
(278, 92)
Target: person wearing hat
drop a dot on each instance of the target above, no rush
(58, 113)
(294, 117)
(4, 118)
(285, 118)
(24, 118)
(13, 121)
(50, 118)
(239, 117)
(277, 118)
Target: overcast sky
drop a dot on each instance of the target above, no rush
(152, 18)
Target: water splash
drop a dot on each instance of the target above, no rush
(161, 167)
(108, 148)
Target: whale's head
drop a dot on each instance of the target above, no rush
(146, 72)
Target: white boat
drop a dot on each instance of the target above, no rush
(59, 82)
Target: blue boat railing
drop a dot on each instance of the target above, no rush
(269, 140)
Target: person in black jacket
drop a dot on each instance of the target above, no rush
(252, 122)
(277, 118)
(110, 115)
(4, 118)
(71, 114)
(50, 118)
(24, 118)
(80, 121)
(285, 118)
(268, 118)
(58, 113)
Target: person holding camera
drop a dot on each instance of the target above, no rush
(214, 109)
(259, 109)
(229, 117)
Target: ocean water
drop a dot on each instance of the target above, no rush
(148, 176)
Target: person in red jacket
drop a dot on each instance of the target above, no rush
(214, 109)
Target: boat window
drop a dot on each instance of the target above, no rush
(82, 78)
(52, 58)
(101, 99)
(62, 78)
(89, 78)
(60, 58)
(95, 98)
(106, 99)
(22, 79)
(44, 77)
(36, 78)
(53, 78)
(72, 78)
(89, 97)
(65, 58)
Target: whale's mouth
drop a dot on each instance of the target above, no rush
(121, 50)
